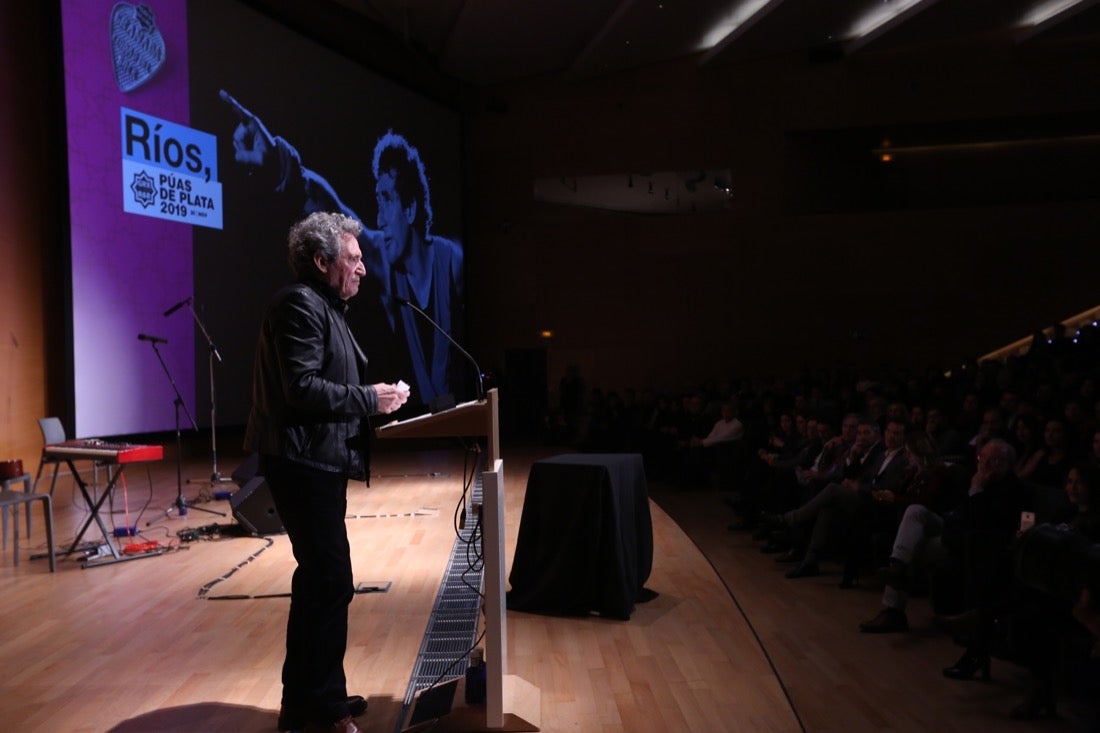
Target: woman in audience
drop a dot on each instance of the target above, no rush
(1052, 462)
(1028, 442)
(1041, 625)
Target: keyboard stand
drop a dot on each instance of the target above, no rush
(113, 556)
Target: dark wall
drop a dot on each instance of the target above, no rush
(827, 254)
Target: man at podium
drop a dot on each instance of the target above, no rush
(309, 393)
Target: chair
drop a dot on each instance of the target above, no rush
(52, 432)
(11, 499)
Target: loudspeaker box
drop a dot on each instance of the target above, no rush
(254, 508)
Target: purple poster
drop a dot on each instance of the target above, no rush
(127, 268)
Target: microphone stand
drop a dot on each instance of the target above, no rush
(437, 327)
(215, 477)
(180, 503)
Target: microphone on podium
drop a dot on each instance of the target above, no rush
(437, 327)
(177, 306)
(151, 339)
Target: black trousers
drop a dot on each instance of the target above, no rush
(312, 505)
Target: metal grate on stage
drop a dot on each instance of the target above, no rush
(452, 629)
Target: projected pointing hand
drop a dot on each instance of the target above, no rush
(252, 143)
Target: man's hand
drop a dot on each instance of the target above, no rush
(391, 396)
(252, 143)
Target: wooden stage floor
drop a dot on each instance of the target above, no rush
(727, 645)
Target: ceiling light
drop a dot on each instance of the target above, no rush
(1044, 11)
(881, 18)
(737, 19)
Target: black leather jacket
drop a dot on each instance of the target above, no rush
(309, 388)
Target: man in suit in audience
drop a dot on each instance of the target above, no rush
(993, 503)
(872, 465)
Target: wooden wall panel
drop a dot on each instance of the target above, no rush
(26, 163)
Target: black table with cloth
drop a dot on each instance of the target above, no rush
(585, 541)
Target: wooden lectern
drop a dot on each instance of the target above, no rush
(512, 703)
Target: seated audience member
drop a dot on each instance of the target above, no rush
(1028, 442)
(771, 484)
(992, 425)
(799, 452)
(968, 421)
(830, 465)
(949, 442)
(897, 411)
(992, 503)
(917, 416)
(726, 429)
(716, 452)
(930, 486)
(1079, 426)
(979, 535)
(925, 483)
(872, 465)
(784, 440)
(762, 470)
(1042, 631)
(1051, 463)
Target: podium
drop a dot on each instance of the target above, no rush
(511, 703)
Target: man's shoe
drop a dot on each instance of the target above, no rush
(344, 725)
(791, 555)
(804, 570)
(969, 664)
(293, 719)
(889, 620)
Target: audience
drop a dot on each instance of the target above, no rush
(926, 477)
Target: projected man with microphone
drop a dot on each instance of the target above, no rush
(412, 265)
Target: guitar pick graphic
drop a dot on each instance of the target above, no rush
(137, 47)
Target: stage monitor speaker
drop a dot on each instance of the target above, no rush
(254, 508)
(248, 468)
